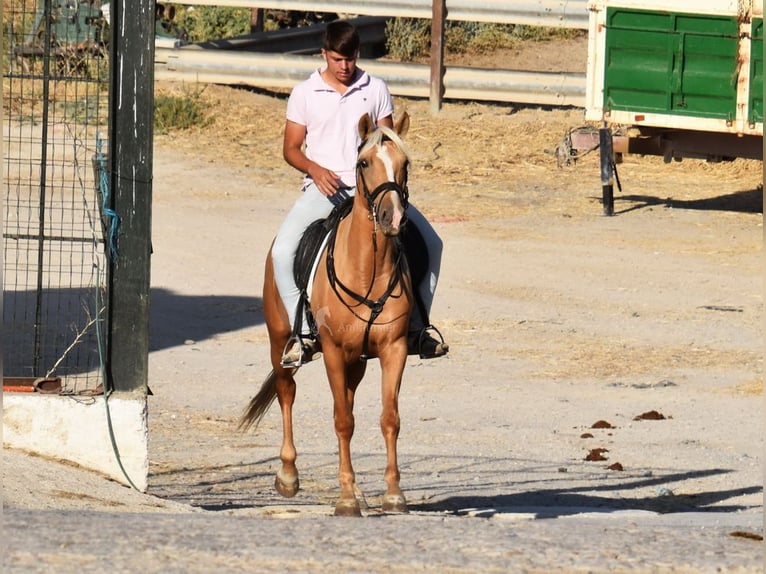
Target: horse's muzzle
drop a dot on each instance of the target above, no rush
(391, 215)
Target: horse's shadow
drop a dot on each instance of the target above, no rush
(453, 491)
(568, 501)
(746, 201)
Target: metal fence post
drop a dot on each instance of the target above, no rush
(607, 169)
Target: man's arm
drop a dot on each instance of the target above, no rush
(292, 150)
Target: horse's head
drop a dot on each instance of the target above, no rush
(381, 172)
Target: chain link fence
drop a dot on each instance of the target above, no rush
(55, 106)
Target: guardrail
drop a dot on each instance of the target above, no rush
(192, 64)
(410, 80)
(551, 13)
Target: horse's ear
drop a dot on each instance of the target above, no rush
(365, 126)
(402, 125)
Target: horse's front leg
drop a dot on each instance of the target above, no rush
(343, 384)
(392, 368)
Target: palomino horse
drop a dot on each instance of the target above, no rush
(362, 296)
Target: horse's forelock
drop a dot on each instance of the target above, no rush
(376, 138)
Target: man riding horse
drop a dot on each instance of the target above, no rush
(321, 140)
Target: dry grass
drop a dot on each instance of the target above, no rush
(471, 161)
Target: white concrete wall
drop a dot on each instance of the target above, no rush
(75, 429)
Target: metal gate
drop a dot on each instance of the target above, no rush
(55, 106)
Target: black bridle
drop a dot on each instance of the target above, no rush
(382, 190)
(375, 306)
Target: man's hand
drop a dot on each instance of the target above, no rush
(325, 179)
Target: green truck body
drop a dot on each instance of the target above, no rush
(677, 65)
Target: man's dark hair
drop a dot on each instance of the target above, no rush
(340, 36)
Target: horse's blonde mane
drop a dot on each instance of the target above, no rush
(376, 138)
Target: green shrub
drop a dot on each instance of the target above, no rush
(206, 23)
(489, 37)
(457, 38)
(179, 112)
(407, 38)
(542, 34)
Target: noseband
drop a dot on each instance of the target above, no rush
(382, 189)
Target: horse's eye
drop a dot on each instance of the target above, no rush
(363, 163)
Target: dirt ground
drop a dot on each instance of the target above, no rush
(598, 364)
(537, 285)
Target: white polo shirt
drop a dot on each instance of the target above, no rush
(332, 119)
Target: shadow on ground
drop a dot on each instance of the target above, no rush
(555, 502)
(176, 318)
(748, 201)
(250, 486)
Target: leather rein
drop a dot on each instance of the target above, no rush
(375, 306)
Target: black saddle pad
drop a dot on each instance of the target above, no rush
(311, 241)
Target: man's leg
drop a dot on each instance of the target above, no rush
(309, 207)
(422, 342)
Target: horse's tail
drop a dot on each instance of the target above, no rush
(260, 403)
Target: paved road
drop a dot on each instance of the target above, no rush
(497, 540)
(60, 518)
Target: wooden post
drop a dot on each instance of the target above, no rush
(256, 20)
(131, 114)
(607, 170)
(439, 11)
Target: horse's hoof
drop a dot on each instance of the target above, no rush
(346, 507)
(394, 503)
(361, 498)
(288, 489)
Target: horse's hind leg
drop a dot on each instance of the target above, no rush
(278, 325)
(286, 481)
(278, 385)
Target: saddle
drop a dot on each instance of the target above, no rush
(411, 241)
